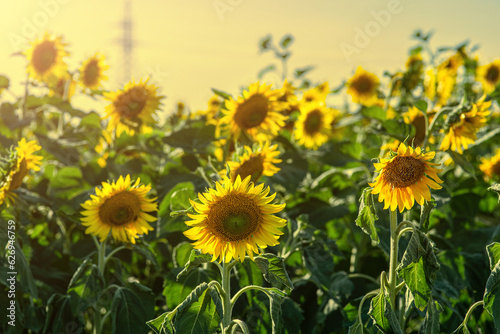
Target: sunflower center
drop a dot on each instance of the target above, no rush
(17, 178)
(252, 112)
(234, 217)
(253, 167)
(120, 209)
(363, 85)
(313, 122)
(419, 124)
(493, 74)
(403, 171)
(496, 168)
(91, 74)
(44, 56)
(130, 103)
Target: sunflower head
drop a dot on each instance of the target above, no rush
(234, 220)
(92, 72)
(62, 87)
(489, 76)
(255, 163)
(405, 178)
(45, 57)
(255, 114)
(491, 166)
(363, 87)
(415, 117)
(132, 108)
(313, 128)
(120, 207)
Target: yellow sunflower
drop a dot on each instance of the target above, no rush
(211, 113)
(24, 161)
(316, 94)
(255, 163)
(256, 113)
(491, 167)
(91, 72)
(62, 87)
(132, 108)
(462, 130)
(363, 87)
(45, 57)
(406, 178)
(120, 207)
(489, 76)
(234, 219)
(415, 117)
(313, 128)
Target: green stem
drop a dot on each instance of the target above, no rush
(243, 290)
(393, 257)
(243, 326)
(106, 258)
(101, 255)
(433, 123)
(469, 312)
(357, 275)
(360, 307)
(226, 296)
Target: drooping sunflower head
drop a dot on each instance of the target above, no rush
(120, 207)
(92, 72)
(363, 87)
(463, 126)
(21, 161)
(45, 57)
(491, 166)
(415, 117)
(489, 76)
(313, 128)
(405, 178)
(63, 87)
(132, 108)
(234, 220)
(255, 163)
(256, 113)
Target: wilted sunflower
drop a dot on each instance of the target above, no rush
(255, 114)
(489, 76)
(406, 178)
(23, 161)
(313, 128)
(255, 163)
(234, 219)
(121, 208)
(363, 87)
(491, 167)
(45, 57)
(462, 130)
(133, 107)
(91, 72)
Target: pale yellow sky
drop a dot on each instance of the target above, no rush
(192, 46)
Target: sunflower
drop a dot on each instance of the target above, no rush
(45, 57)
(489, 76)
(23, 160)
(234, 219)
(405, 178)
(415, 117)
(255, 163)
(462, 129)
(211, 113)
(317, 94)
(62, 87)
(132, 108)
(313, 128)
(121, 208)
(91, 72)
(363, 87)
(255, 114)
(491, 167)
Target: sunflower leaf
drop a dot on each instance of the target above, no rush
(425, 212)
(496, 188)
(273, 269)
(195, 259)
(493, 251)
(130, 310)
(87, 283)
(431, 321)
(421, 105)
(374, 112)
(202, 316)
(492, 291)
(377, 311)
(222, 94)
(463, 162)
(367, 215)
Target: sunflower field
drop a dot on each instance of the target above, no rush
(275, 209)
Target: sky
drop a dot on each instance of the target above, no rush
(188, 47)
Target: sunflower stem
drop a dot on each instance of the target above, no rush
(113, 252)
(226, 296)
(101, 255)
(393, 257)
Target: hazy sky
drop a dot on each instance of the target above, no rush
(190, 46)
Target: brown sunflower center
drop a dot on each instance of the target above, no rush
(91, 73)
(17, 178)
(120, 209)
(252, 112)
(253, 167)
(404, 171)
(363, 85)
(419, 124)
(313, 122)
(129, 104)
(496, 168)
(44, 56)
(493, 74)
(234, 217)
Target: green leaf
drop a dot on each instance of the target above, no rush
(496, 188)
(129, 312)
(431, 321)
(162, 324)
(493, 251)
(146, 251)
(60, 316)
(287, 39)
(92, 120)
(414, 277)
(390, 315)
(421, 105)
(399, 129)
(294, 168)
(292, 316)
(301, 71)
(4, 82)
(192, 139)
(463, 162)
(200, 317)
(377, 312)
(367, 215)
(276, 299)
(222, 94)
(177, 198)
(374, 112)
(273, 269)
(87, 283)
(425, 212)
(265, 70)
(195, 259)
(182, 253)
(67, 177)
(356, 328)
(492, 291)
